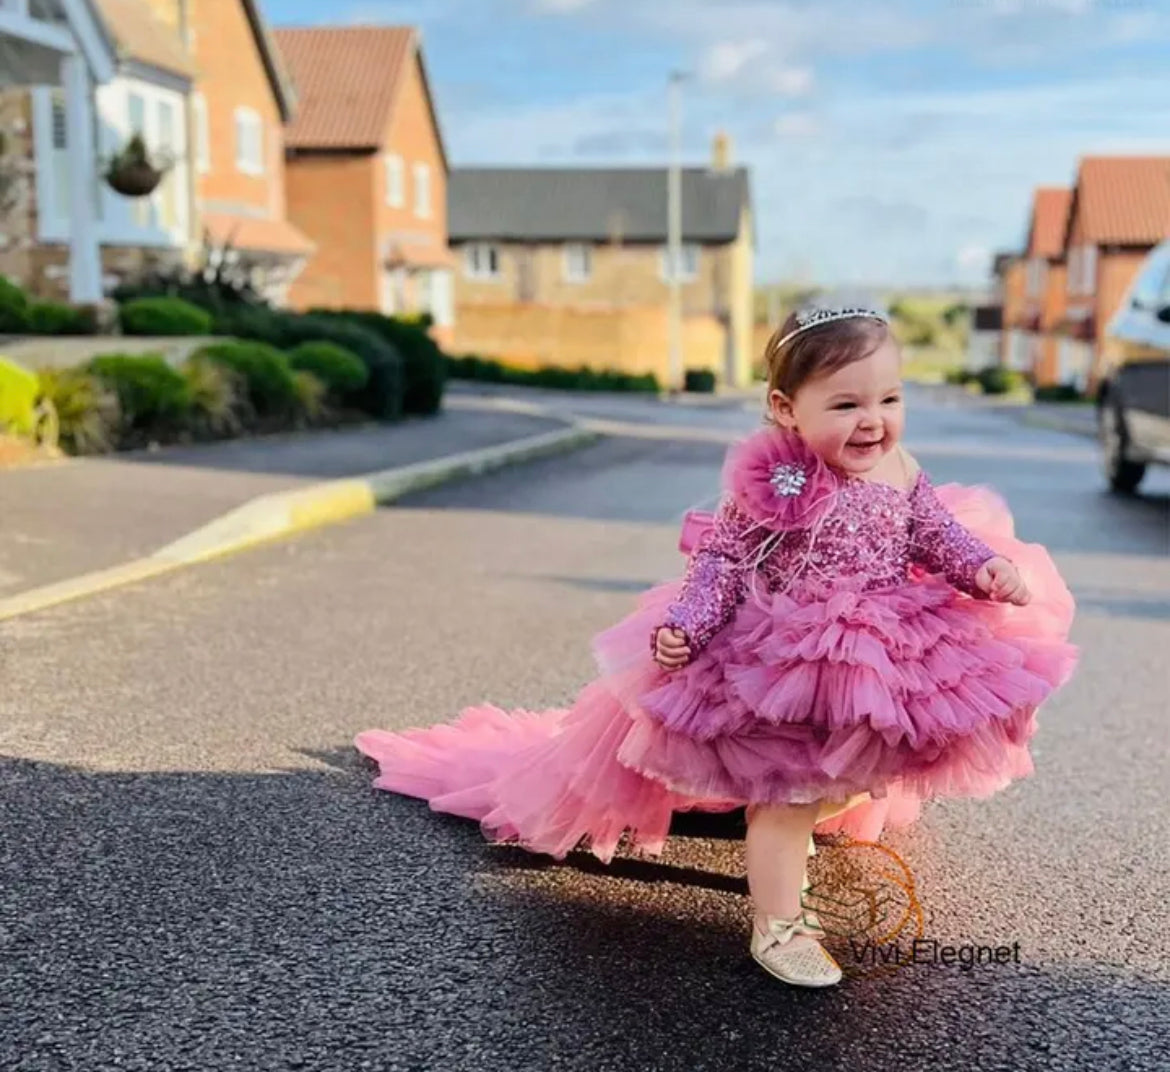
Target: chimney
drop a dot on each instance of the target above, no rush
(721, 151)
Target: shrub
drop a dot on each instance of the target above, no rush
(219, 399)
(57, 318)
(164, 316)
(87, 412)
(153, 397)
(13, 308)
(424, 370)
(264, 370)
(701, 381)
(1058, 392)
(382, 394)
(962, 376)
(579, 379)
(341, 371)
(311, 394)
(996, 380)
(18, 398)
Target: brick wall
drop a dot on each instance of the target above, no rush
(622, 275)
(231, 75)
(331, 199)
(633, 340)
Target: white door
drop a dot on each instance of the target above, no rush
(442, 298)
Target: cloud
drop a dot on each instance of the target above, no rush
(560, 6)
(724, 61)
(973, 259)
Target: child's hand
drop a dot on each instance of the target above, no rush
(1000, 580)
(670, 648)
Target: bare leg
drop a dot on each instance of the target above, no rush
(777, 854)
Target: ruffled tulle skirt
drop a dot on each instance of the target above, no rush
(867, 701)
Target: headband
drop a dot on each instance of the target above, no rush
(813, 318)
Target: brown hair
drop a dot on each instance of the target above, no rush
(818, 351)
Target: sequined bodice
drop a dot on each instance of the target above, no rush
(867, 537)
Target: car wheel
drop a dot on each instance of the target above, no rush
(1123, 474)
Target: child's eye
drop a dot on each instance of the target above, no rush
(893, 399)
(844, 405)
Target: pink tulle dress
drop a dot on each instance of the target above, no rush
(840, 653)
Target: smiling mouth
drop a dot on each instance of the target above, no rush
(866, 445)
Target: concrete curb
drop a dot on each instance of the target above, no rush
(282, 514)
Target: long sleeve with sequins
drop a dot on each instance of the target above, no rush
(940, 544)
(714, 582)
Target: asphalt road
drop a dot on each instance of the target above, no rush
(196, 874)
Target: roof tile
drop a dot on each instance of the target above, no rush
(347, 80)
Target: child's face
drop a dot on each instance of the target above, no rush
(852, 418)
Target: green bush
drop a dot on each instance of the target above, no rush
(701, 381)
(18, 398)
(339, 370)
(164, 316)
(996, 380)
(381, 396)
(580, 379)
(87, 411)
(424, 369)
(962, 376)
(264, 370)
(13, 308)
(57, 318)
(1058, 392)
(153, 397)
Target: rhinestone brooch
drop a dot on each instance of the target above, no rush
(788, 479)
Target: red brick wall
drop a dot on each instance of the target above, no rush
(231, 75)
(331, 199)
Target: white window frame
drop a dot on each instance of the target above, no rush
(248, 123)
(1088, 268)
(422, 191)
(1037, 272)
(201, 135)
(395, 176)
(689, 258)
(577, 263)
(474, 256)
(118, 220)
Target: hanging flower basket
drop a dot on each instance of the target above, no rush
(134, 172)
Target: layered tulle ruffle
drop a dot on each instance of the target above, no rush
(870, 702)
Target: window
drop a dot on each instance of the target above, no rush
(688, 263)
(167, 145)
(481, 261)
(60, 158)
(578, 263)
(1082, 270)
(202, 133)
(249, 142)
(422, 191)
(395, 181)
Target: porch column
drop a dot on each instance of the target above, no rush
(85, 271)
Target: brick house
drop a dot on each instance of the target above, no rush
(366, 176)
(1045, 282)
(550, 258)
(1120, 209)
(1013, 287)
(199, 80)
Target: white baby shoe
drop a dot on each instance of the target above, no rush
(791, 951)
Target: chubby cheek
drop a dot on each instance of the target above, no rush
(827, 437)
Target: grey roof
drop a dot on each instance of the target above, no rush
(591, 204)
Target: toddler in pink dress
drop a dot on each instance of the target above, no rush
(846, 642)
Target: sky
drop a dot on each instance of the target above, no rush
(890, 142)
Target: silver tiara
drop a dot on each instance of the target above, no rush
(813, 318)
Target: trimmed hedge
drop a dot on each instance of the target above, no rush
(1058, 392)
(382, 394)
(485, 370)
(163, 316)
(996, 380)
(13, 308)
(700, 381)
(152, 396)
(424, 370)
(340, 370)
(57, 318)
(268, 378)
